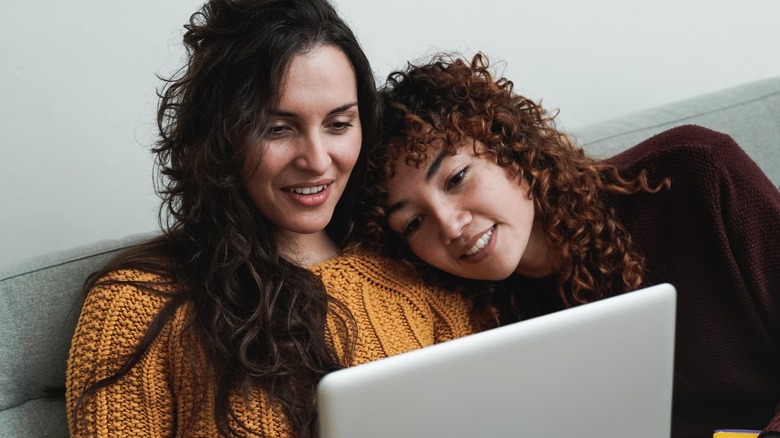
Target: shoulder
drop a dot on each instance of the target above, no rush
(120, 310)
(380, 278)
(133, 291)
(688, 152)
(689, 143)
(395, 311)
(366, 280)
(120, 307)
(368, 268)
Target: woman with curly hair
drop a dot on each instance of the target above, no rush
(224, 324)
(477, 189)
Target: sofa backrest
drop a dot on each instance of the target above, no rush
(40, 302)
(749, 113)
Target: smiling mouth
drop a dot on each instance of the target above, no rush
(308, 190)
(480, 244)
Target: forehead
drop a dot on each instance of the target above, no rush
(323, 71)
(403, 164)
(422, 156)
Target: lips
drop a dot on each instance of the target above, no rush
(308, 190)
(312, 195)
(480, 244)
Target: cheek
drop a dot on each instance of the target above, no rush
(427, 248)
(354, 149)
(349, 151)
(258, 162)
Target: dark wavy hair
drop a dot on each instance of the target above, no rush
(437, 104)
(259, 318)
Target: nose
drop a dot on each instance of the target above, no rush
(451, 221)
(313, 154)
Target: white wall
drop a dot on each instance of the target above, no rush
(77, 83)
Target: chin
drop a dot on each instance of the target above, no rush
(494, 275)
(491, 277)
(309, 229)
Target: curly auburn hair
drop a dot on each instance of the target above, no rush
(436, 105)
(260, 319)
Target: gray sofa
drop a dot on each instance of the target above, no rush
(40, 297)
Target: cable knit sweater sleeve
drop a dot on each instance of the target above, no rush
(165, 394)
(113, 320)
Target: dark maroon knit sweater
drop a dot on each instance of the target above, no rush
(716, 237)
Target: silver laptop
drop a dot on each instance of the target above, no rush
(599, 370)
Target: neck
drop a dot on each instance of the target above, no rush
(307, 249)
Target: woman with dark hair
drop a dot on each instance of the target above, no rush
(225, 323)
(477, 189)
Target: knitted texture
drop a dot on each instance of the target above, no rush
(157, 398)
(716, 236)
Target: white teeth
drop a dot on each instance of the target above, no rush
(308, 190)
(481, 243)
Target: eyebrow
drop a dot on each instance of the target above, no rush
(435, 166)
(395, 207)
(282, 113)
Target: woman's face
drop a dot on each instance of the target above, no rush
(297, 172)
(464, 214)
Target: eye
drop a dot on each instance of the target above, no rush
(277, 131)
(457, 179)
(340, 127)
(413, 225)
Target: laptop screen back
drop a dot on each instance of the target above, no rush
(602, 369)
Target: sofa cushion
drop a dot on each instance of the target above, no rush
(750, 113)
(40, 302)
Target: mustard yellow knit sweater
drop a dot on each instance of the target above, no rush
(394, 314)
